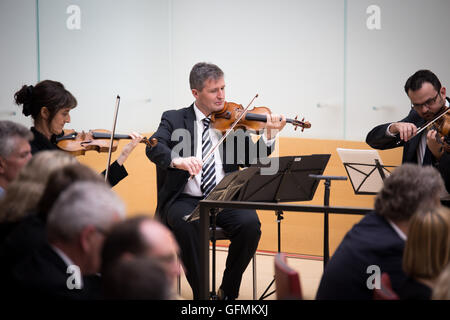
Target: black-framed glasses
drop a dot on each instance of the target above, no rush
(427, 103)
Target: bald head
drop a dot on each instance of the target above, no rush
(142, 236)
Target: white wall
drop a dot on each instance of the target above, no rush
(297, 55)
(18, 54)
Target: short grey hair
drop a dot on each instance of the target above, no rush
(407, 189)
(9, 132)
(201, 72)
(83, 204)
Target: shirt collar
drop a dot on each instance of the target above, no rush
(400, 233)
(63, 256)
(199, 116)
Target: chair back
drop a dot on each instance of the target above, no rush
(385, 292)
(287, 280)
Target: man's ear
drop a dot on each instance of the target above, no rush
(443, 92)
(2, 165)
(194, 93)
(45, 113)
(85, 237)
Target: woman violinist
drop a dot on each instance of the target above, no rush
(49, 104)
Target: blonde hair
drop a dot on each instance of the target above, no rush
(427, 250)
(441, 290)
(23, 193)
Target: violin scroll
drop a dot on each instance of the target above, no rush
(303, 124)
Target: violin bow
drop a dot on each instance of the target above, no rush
(426, 125)
(229, 129)
(116, 111)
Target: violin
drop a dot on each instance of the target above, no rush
(253, 120)
(77, 143)
(442, 126)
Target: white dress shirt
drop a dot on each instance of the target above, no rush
(192, 188)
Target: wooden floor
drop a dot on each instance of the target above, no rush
(310, 269)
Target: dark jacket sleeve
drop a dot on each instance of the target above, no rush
(444, 168)
(116, 173)
(161, 154)
(378, 139)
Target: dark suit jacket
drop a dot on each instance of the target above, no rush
(171, 181)
(378, 139)
(372, 241)
(43, 276)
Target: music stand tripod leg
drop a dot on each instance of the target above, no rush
(326, 202)
(280, 217)
(213, 294)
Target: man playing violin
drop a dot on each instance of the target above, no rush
(428, 99)
(178, 194)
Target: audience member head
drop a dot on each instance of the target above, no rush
(44, 100)
(427, 250)
(79, 220)
(137, 278)
(15, 150)
(441, 290)
(60, 180)
(142, 236)
(23, 193)
(409, 187)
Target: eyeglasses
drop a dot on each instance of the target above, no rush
(427, 103)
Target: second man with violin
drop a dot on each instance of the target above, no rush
(184, 138)
(428, 100)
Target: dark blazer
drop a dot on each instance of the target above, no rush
(43, 276)
(372, 241)
(378, 139)
(171, 181)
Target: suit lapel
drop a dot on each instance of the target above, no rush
(190, 124)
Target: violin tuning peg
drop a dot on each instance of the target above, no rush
(295, 121)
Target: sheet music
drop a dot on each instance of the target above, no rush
(360, 166)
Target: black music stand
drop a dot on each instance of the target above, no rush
(227, 190)
(290, 183)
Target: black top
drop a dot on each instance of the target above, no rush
(41, 143)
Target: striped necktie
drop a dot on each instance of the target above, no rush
(208, 170)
